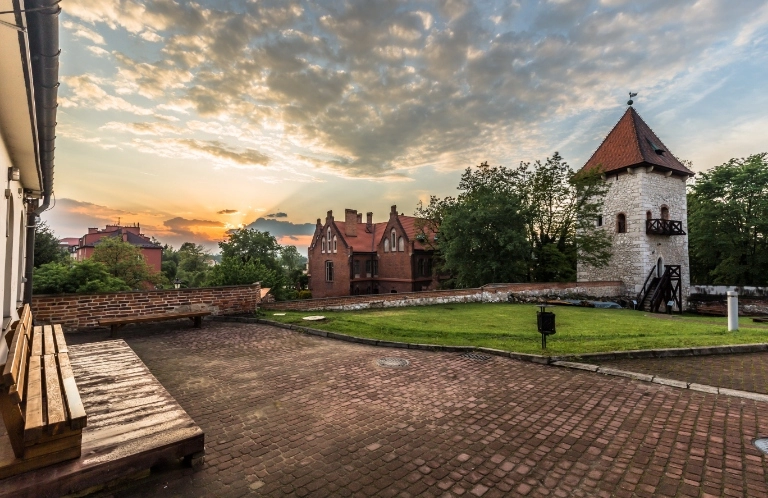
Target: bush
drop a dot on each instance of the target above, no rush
(305, 294)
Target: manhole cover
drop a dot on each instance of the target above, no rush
(762, 444)
(476, 356)
(393, 362)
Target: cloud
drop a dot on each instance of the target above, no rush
(80, 31)
(228, 211)
(85, 91)
(180, 228)
(277, 215)
(211, 150)
(282, 228)
(147, 128)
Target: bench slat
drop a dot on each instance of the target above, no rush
(33, 421)
(77, 416)
(57, 418)
(16, 391)
(58, 335)
(37, 341)
(13, 361)
(48, 344)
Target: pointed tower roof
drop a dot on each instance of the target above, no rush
(632, 143)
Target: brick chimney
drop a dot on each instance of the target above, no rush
(393, 212)
(350, 223)
(369, 222)
(329, 217)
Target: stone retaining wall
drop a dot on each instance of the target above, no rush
(490, 293)
(712, 300)
(75, 311)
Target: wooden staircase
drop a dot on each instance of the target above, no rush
(661, 290)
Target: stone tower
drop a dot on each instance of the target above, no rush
(645, 211)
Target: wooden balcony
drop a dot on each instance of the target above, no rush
(664, 227)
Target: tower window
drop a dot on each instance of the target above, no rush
(599, 221)
(664, 213)
(648, 215)
(621, 223)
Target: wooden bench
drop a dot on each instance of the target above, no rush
(39, 400)
(117, 322)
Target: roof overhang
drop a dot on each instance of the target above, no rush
(18, 125)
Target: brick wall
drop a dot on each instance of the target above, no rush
(487, 293)
(76, 311)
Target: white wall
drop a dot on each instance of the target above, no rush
(12, 250)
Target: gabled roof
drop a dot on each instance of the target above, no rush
(367, 241)
(632, 143)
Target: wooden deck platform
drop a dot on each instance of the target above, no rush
(133, 424)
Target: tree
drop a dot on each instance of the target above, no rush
(561, 207)
(728, 223)
(83, 277)
(515, 224)
(124, 261)
(47, 248)
(249, 256)
(293, 264)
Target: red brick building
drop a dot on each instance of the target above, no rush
(354, 257)
(152, 252)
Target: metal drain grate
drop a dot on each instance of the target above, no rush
(761, 444)
(476, 356)
(393, 362)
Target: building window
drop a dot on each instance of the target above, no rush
(386, 245)
(394, 239)
(621, 223)
(664, 213)
(334, 243)
(599, 220)
(323, 246)
(357, 269)
(429, 267)
(648, 215)
(401, 244)
(420, 268)
(375, 264)
(368, 269)
(329, 271)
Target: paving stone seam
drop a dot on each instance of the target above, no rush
(559, 361)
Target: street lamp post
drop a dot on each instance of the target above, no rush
(177, 283)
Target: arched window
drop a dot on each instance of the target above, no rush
(621, 223)
(334, 243)
(322, 247)
(386, 245)
(648, 215)
(394, 239)
(329, 271)
(599, 220)
(664, 213)
(329, 238)
(401, 244)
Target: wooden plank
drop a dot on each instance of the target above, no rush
(48, 344)
(54, 446)
(46, 438)
(74, 404)
(16, 391)
(33, 413)
(58, 335)
(14, 423)
(11, 371)
(57, 415)
(11, 467)
(37, 341)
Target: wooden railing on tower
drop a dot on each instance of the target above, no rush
(664, 227)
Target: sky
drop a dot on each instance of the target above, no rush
(193, 118)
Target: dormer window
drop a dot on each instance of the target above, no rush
(658, 150)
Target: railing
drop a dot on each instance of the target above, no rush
(646, 288)
(664, 227)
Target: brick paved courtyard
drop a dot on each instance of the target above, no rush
(287, 414)
(744, 372)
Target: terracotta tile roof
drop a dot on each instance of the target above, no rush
(367, 241)
(632, 143)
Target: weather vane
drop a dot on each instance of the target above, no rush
(630, 102)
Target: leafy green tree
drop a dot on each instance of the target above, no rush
(248, 256)
(517, 224)
(124, 261)
(728, 223)
(47, 248)
(82, 277)
(293, 264)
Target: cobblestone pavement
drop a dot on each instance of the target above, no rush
(745, 372)
(288, 414)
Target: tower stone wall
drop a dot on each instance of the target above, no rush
(634, 192)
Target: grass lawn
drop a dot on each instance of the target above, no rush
(512, 327)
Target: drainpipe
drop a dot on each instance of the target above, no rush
(43, 36)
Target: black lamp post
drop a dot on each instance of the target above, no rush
(177, 283)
